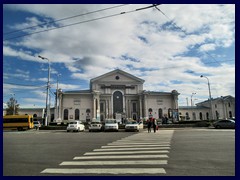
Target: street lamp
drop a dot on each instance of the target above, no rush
(210, 98)
(192, 103)
(56, 105)
(47, 95)
(13, 95)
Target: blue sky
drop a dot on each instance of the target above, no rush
(169, 51)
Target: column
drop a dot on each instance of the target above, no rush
(140, 106)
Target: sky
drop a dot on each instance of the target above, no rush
(169, 46)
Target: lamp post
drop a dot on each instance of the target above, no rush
(47, 118)
(210, 98)
(13, 103)
(57, 106)
(192, 103)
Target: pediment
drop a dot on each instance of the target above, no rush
(117, 77)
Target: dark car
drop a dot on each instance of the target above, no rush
(228, 123)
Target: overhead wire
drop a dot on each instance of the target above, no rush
(85, 21)
(63, 19)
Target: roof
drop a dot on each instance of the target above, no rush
(87, 91)
(120, 72)
(192, 107)
(224, 98)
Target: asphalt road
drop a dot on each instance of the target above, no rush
(169, 152)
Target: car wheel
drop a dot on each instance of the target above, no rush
(67, 130)
(218, 127)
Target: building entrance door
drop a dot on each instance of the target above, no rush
(117, 102)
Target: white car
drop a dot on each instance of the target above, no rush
(132, 126)
(111, 125)
(95, 126)
(75, 126)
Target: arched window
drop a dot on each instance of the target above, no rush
(170, 113)
(217, 114)
(77, 112)
(187, 116)
(200, 116)
(65, 114)
(160, 113)
(230, 114)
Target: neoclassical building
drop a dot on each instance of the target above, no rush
(119, 95)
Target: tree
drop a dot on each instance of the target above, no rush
(13, 107)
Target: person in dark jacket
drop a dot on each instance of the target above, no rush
(149, 125)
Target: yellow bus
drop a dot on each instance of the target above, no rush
(19, 122)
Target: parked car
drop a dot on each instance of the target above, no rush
(228, 123)
(36, 124)
(132, 126)
(111, 125)
(140, 125)
(75, 126)
(95, 126)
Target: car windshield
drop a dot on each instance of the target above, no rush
(73, 123)
(35, 122)
(132, 122)
(110, 121)
(95, 122)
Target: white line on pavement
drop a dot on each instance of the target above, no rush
(121, 157)
(105, 171)
(128, 152)
(130, 145)
(125, 149)
(128, 162)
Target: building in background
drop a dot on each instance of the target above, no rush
(222, 107)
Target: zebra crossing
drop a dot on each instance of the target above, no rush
(141, 153)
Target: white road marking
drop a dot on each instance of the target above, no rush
(146, 145)
(128, 162)
(105, 171)
(126, 149)
(135, 150)
(123, 156)
(128, 152)
(138, 143)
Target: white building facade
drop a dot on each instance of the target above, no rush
(222, 108)
(116, 95)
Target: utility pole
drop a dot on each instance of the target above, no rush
(192, 105)
(210, 98)
(13, 95)
(47, 118)
(56, 101)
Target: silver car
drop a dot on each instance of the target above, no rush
(95, 126)
(132, 126)
(75, 126)
(228, 123)
(111, 125)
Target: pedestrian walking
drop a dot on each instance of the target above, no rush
(149, 125)
(154, 125)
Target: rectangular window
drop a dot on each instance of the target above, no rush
(76, 102)
(134, 106)
(101, 107)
